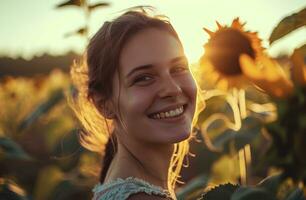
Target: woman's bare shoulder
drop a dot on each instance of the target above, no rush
(144, 196)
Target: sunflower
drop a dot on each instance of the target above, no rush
(221, 58)
(220, 64)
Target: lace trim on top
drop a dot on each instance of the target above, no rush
(121, 189)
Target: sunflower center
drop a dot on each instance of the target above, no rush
(224, 49)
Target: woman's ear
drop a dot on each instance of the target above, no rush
(105, 107)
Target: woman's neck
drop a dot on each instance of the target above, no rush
(145, 161)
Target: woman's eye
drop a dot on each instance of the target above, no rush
(179, 69)
(142, 79)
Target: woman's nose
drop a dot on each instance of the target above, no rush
(169, 88)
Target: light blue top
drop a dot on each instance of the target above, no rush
(121, 189)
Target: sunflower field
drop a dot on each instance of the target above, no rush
(250, 141)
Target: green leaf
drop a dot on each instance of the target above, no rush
(197, 183)
(221, 192)
(296, 195)
(67, 151)
(252, 193)
(48, 179)
(216, 104)
(271, 183)
(68, 190)
(224, 138)
(12, 150)
(250, 128)
(288, 24)
(77, 3)
(42, 109)
(97, 5)
(218, 174)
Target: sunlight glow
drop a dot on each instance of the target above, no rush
(47, 27)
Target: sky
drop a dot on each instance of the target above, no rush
(34, 27)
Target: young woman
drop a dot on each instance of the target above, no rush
(137, 85)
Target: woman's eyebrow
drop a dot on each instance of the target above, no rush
(179, 59)
(141, 67)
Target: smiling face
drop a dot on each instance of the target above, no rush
(154, 91)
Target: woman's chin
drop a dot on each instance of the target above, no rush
(180, 137)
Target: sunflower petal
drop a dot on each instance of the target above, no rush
(282, 88)
(249, 67)
(236, 24)
(270, 78)
(210, 33)
(271, 69)
(299, 67)
(219, 25)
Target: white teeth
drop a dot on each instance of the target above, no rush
(170, 113)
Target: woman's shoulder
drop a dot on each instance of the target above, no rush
(130, 188)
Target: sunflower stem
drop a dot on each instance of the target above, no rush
(233, 102)
(237, 102)
(247, 149)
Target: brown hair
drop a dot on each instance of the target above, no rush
(97, 73)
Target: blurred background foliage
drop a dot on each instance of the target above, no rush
(235, 153)
(39, 144)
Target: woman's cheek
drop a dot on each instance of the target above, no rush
(140, 98)
(188, 85)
